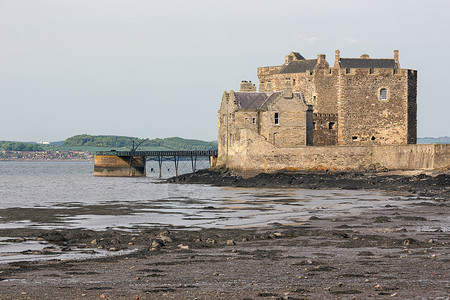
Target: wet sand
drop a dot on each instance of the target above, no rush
(387, 252)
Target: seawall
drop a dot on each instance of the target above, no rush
(252, 153)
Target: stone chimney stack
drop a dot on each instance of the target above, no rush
(287, 90)
(365, 56)
(396, 56)
(247, 86)
(321, 61)
(337, 57)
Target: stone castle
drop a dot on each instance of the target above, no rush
(306, 114)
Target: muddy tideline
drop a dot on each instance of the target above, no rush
(389, 252)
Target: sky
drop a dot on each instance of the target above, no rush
(147, 68)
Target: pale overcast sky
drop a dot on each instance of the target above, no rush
(158, 68)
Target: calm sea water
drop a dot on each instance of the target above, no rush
(74, 198)
(60, 195)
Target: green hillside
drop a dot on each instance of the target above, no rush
(125, 143)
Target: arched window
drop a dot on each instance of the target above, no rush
(383, 94)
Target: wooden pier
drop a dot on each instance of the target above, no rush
(132, 163)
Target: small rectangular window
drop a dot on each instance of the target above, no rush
(254, 120)
(277, 118)
(383, 94)
(331, 125)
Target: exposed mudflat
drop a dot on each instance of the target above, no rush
(385, 252)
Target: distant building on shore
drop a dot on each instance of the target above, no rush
(307, 114)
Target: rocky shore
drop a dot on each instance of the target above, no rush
(430, 183)
(395, 251)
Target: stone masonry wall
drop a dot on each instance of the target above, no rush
(325, 129)
(412, 107)
(364, 119)
(292, 127)
(255, 154)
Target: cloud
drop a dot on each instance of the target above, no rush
(309, 39)
(351, 40)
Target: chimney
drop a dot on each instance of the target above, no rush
(396, 56)
(247, 86)
(365, 56)
(337, 57)
(287, 90)
(321, 61)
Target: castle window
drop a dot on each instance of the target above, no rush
(372, 138)
(347, 71)
(371, 71)
(354, 138)
(331, 125)
(277, 118)
(383, 94)
(254, 120)
(314, 125)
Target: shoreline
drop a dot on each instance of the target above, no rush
(422, 183)
(394, 251)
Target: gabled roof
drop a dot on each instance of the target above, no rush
(257, 100)
(297, 55)
(299, 66)
(249, 100)
(275, 95)
(367, 63)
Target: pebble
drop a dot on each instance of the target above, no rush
(83, 295)
(231, 242)
(94, 242)
(40, 239)
(23, 293)
(158, 243)
(112, 249)
(210, 241)
(183, 247)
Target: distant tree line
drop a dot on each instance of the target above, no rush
(19, 146)
(112, 141)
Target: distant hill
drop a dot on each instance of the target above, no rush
(113, 141)
(431, 140)
(19, 146)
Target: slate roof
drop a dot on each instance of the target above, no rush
(256, 100)
(298, 55)
(250, 100)
(274, 96)
(367, 63)
(299, 66)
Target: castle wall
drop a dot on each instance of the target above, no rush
(254, 154)
(291, 130)
(325, 129)
(412, 107)
(363, 118)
